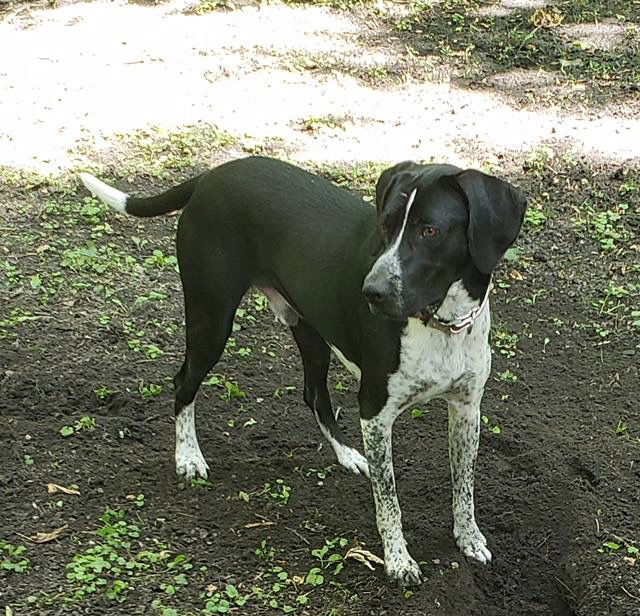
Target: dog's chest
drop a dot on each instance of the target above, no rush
(436, 364)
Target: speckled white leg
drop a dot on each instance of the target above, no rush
(464, 429)
(189, 459)
(398, 563)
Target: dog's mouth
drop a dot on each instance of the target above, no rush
(426, 313)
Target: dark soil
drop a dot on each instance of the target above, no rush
(560, 479)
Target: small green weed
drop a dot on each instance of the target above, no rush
(16, 317)
(494, 429)
(507, 376)
(606, 226)
(84, 424)
(12, 557)
(266, 551)
(223, 601)
(103, 392)
(535, 218)
(150, 390)
(279, 491)
(199, 482)
(504, 341)
(118, 561)
(231, 389)
(330, 556)
(208, 6)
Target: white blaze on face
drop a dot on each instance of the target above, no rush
(388, 264)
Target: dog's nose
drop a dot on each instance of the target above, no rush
(373, 295)
(376, 292)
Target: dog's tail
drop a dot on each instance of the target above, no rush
(173, 199)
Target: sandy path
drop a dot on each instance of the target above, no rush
(92, 69)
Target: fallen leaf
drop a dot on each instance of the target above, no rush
(364, 556)
(298, 579)
(46, 537)
(54, 488)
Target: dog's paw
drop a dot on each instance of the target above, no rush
(403, 570)
(352, 460)
(472, 543)
(191, 464)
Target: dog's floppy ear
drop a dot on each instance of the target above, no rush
(393, 181)
(496, 212)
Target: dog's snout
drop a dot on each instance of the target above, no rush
(374, 293)
(380, 295)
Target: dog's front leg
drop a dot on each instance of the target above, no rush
(464, 432)
(376, 432)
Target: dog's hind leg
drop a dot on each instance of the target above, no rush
(315, 358)
(210, 304)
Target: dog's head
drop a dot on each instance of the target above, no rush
(435, 223)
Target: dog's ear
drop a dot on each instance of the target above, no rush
(496, 212)
(394, 181)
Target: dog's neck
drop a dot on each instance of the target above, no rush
(464, 302)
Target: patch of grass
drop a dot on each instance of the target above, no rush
(504, 341)
(535, 217)
(149, 390)
(617, 303)
(343, 5)
(12, 557)
(480, 42)
(230, 389)
(361, 177)
(103, 392)
(315, 124)
(507, 376)
(16, 317)
(208, 6)
(607, 226)
(278, 491)
(199, 482)
(118, 561)
(23, 179)
(160, 153)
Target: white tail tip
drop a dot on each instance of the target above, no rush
(107, 194)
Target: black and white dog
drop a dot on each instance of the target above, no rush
(399, 293)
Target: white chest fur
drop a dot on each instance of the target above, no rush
(436, 364)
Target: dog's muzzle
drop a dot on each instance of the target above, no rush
(382, 297)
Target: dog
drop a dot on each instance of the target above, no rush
(399, 292)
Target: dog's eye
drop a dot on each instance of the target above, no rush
(428, 231)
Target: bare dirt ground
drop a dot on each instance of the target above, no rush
(545, 94)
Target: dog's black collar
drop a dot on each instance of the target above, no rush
(462, 323)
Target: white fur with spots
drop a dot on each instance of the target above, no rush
(190, 462)
(433, 364)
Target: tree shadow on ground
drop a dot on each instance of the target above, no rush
(563, 53)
